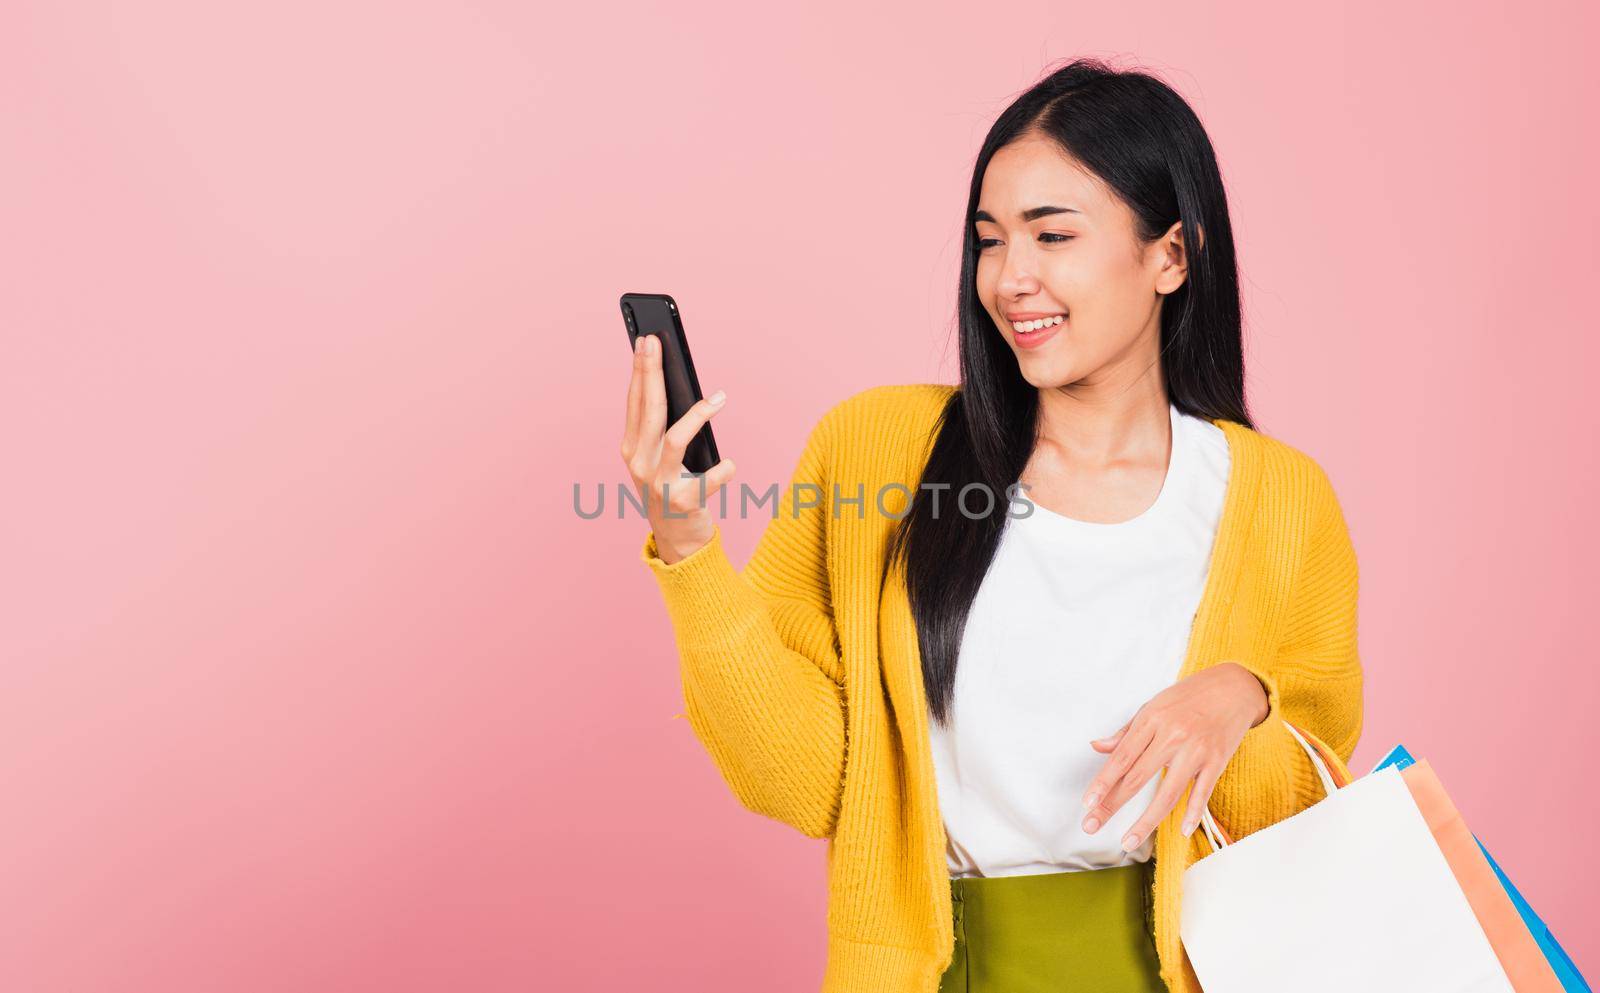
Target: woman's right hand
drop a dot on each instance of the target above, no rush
(654, 456)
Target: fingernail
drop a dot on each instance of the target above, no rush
(1130, 842)
(1091, 825)
(1091, 799)
(638, 343)
(1188, 828)
(716, 398)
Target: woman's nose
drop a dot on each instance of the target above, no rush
(1014, 282)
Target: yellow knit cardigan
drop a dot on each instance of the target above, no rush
(802, 677)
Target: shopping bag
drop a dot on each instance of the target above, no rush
(1513, 943)
(1560, 962)
(1352, 893)
(1566, 970)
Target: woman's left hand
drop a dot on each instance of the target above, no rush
(1192, 728)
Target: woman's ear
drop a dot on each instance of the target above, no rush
(1175, 261)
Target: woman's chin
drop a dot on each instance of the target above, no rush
(1043, 374)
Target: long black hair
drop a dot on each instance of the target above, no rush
(1141, 138)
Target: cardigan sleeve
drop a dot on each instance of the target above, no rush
(759, 655)
(1313, 679)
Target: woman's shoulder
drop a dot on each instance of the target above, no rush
(1289, 474)
(895, 400)
(883, 425)
(892, 407)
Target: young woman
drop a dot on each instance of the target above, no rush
(1003, 642)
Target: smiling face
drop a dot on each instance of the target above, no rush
(1053, 239)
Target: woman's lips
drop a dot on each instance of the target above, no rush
(1033, 339)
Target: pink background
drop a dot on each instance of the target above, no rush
(314, 680)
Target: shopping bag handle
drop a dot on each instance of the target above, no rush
(1332, 774)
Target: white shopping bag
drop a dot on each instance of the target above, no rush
(1350, 894)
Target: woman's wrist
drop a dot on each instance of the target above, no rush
(1259, 696)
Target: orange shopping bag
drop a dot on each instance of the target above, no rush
(1519, 954)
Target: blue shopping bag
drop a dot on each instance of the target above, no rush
(1571, 980)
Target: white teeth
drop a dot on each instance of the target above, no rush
(1023, 326)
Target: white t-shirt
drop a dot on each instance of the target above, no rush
(1075, 626)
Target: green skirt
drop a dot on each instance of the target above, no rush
(1061, 932)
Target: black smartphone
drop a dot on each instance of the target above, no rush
(658, 314)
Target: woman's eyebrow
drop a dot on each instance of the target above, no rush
(1031, 214)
